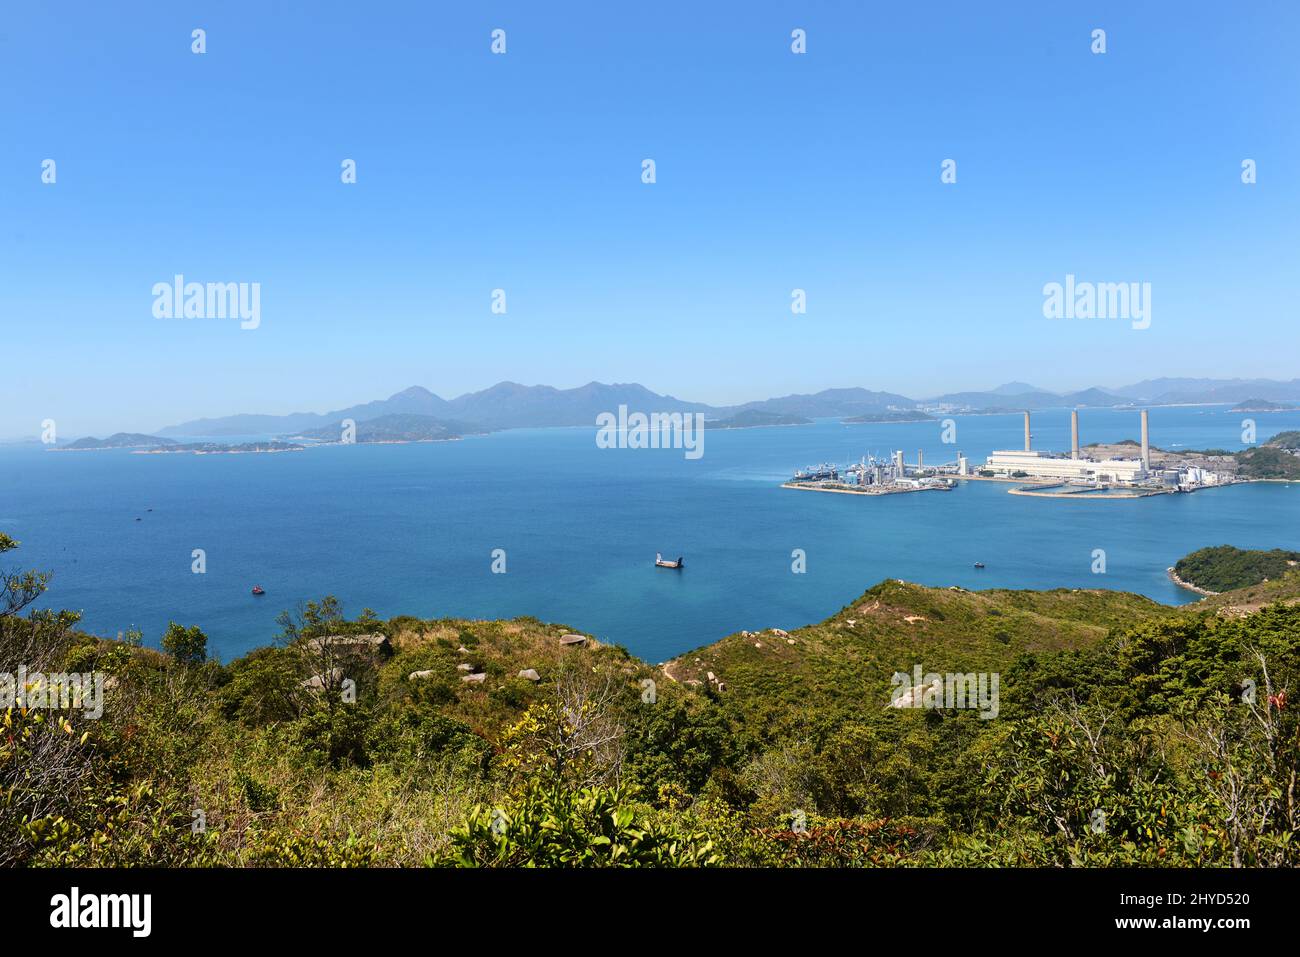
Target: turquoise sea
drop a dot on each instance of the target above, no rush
(409, 529)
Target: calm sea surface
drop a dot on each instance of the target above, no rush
(409, 529)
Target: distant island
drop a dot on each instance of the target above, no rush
(754, 419)
(890, 416)
(1263, 405)
(398, 427)
(142, 444)
(1222, 568)
(221, 448)
(118, 440)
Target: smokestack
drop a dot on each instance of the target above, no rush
(1146, 441)
(1026, 430)
(1074, 434)
(920, 459)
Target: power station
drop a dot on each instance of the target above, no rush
(1112, 473)
(1078, 469)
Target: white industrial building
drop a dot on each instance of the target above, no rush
(1030, 463)
(1036, 464)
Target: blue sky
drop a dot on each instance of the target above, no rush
(522, 172)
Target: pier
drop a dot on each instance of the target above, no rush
(845, 489)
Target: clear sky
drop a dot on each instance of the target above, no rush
(522, 171)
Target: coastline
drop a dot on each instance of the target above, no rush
(1089, 495)
(300, 448)
(869, 490)
(1203, 592)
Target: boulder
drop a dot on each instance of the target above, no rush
(476, 679)
(318, 682)
(373, 642)
(531, 674)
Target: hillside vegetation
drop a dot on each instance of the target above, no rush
(1124, 732)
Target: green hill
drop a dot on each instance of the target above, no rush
(835, 667)
(1224, 568)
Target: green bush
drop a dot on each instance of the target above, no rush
(556, 826)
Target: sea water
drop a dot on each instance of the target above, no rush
(412, 529)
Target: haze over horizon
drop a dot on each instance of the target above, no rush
(1157, 388)
(522, 172)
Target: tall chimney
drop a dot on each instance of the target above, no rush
(1026, 430)
(920, 459)
(1146, 441)
(1074, 434)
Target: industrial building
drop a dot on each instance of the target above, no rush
(1076, 469)
(872, 476)
(1042, 465)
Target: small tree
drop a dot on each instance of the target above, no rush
(188, 646)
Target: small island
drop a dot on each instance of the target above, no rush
(893, 415)
(1210, 571)
(221, 448)
(1263, 405)
(118, 440)
(754, 419)
(141, 444)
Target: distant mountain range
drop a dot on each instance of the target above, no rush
(506, 405)
(1205, 391)
(509, 405)
(1010, 402)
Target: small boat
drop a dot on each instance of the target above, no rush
(259, 590)
(660, 562)
(979, 564)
